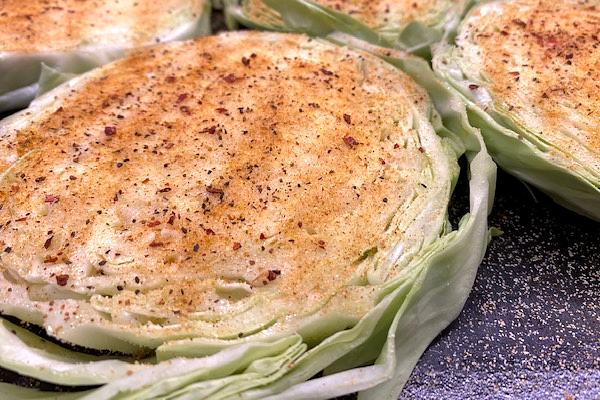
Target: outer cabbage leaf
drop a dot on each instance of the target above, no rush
(30, 355)
(8, 391)
(412, 309)
(19, 73)
(306, 16)
(51, 78)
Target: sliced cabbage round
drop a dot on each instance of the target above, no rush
(74, 36)
(305, 227)
(408, 25)
(529, 71)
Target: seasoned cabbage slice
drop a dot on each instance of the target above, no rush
(74, 36)
(252, 208)
(408, 25)
(529, 70)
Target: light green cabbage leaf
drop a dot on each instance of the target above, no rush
(26, 353)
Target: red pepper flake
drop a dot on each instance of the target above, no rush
(246, 61)
(210, 130)
(519, 22)
(8, 249)
(382, 161)
(396, 146)
(48, 242)
(229, 78)
(170, 79)
(326, 72)
(110, 130)
(152, 224)
(72, 178)
(273, 274)
(237, 246)
(50, 198)
(422, 150)
(171, 219)
(214, 190)
(181, 98)
(473, 86)
(165, 190)
(50, 260)
(185, 110)
(209, 232)
(222, 110)
(40, 179)
(21, 219)
(321, 244)
(156, 244)
(551, 42)
(348, 119)
(61, 280)
(350, 141)
(262, 236)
